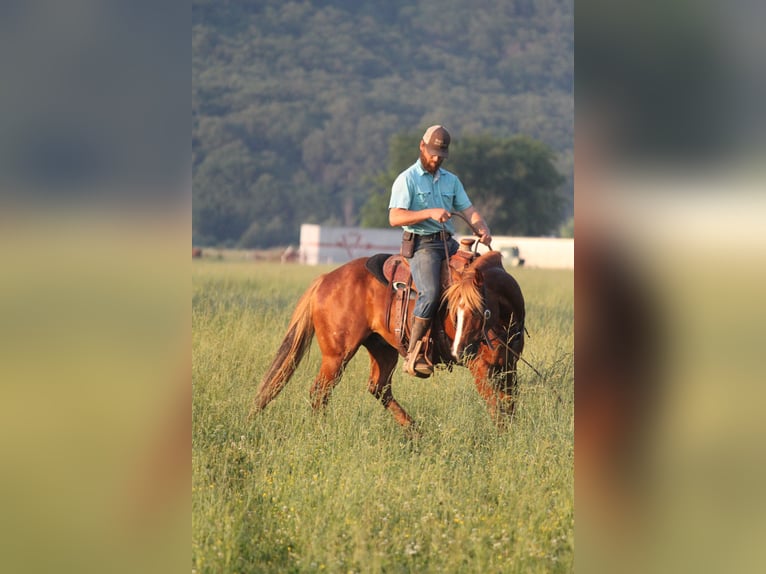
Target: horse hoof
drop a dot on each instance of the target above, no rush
(413, 432)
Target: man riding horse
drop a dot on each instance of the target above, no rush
(423, 198)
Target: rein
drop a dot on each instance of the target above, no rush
(446, 252)
(473, 230)
(505, 344)
(522, 359)
(487, 313)
(470, 225)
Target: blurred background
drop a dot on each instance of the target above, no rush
(670, 196)
(95, 211)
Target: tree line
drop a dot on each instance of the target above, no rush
(302, 111)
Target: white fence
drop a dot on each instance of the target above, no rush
(320, 244)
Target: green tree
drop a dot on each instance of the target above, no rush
(223, 203)
(513, 182)
(402, 152)
(567, 228)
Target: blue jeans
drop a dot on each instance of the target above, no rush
(425, 266)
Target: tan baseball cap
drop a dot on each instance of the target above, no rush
(437, 141)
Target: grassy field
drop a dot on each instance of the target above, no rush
(346, 490)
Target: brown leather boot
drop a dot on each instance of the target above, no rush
(416, 363)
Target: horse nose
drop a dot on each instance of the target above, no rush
(463, 352)
(457, 351)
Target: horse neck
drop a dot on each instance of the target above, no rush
(508, 305)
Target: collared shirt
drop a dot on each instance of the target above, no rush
(416, 189)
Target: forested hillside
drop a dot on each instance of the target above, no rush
(295, 104)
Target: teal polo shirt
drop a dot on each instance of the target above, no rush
(415, 189)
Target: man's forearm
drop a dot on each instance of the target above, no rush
(398, 216)
(478, 222)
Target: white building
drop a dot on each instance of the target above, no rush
(321, 244)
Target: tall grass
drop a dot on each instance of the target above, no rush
(346, 490)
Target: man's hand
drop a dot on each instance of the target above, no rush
(484, 236)
(440, 215)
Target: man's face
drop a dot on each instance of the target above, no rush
(430, 162)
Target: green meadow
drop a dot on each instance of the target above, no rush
(347, 490)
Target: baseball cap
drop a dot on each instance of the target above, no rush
(437, 141)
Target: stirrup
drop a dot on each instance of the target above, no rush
(423, 364)
(416, 363)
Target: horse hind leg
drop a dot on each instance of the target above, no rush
(330, 373)
(383, 360)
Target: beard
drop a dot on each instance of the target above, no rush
(428, 163)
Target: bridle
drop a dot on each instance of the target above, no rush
(485, 330)
(505, 344)
(486, 316)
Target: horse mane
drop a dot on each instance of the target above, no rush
(464, 288)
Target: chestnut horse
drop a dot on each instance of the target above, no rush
(480, 325)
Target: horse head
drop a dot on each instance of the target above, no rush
(468, 312)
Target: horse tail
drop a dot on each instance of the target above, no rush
(300, 332)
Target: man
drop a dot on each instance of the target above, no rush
(423, 198)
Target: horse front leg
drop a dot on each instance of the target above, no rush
(498, 389)
(383, 360)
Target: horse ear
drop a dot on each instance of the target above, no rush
(478, 277)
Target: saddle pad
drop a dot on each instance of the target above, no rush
(374, 265)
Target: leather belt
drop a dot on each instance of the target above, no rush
(439, 235)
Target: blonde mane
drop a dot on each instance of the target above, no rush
(464, 290)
